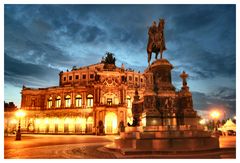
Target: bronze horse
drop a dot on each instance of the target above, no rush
(156, 41)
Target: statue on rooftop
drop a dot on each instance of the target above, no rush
(156, 40)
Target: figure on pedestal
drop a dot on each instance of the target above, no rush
(121, 127)
(184, 76)
(137, 109)
(164, 119)
(156, 40)
(100, 128)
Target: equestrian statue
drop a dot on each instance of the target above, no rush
(156, 40)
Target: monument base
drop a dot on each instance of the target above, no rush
(164, 139)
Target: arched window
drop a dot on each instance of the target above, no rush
(129, 104)
(67, 101)
(78, 101)
(89, 124)
(90, 100)
(58, 102)
(49, 102)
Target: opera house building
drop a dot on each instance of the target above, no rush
(87, 98)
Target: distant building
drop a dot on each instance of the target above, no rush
(8, 107)
(86, 98)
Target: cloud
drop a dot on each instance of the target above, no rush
(19, 73)
(222, 98)
(205, 64)
(41, 40)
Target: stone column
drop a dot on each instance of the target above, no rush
(99, 96)
(73, 99)
(84, 99)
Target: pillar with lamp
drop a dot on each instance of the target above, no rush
(19, 114)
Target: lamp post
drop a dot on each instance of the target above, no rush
(215, 115)
(19, 115)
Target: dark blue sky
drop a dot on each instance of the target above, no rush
(42, 40)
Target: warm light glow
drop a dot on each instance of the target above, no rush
(129, 104)
(202, 121)
(68, 120)
(144, 121)
(38, 121)
(46, 121)
(78, 101)
(154, 122)
(49, 103)
(58, 102)
(67, 101)
(20, 113)
(111, 123)
(215, 114)
(90, 100)
(234, 117)
(56, 121)
(13, 121)
(78, 121)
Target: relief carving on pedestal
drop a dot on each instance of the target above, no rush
(169, 103)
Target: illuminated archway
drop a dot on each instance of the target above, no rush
(80, 125)
(111, 123)
(89, 124)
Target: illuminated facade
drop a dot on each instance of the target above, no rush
(86, 97)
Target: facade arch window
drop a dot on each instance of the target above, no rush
(109, 101)
(90, 100)
(89, 126)
(58, 102)
(129, 102)
(49, 102)
(67, 101)
(78, 101)
(130, 78)
(111, 122)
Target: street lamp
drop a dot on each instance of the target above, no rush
(215, 115)
(202, 121)
(19, 114)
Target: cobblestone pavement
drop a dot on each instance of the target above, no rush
(73, 151)
(227, 141)
(86, 147)
(55, 146)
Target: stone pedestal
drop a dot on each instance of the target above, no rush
(165, 138)
(168, 120)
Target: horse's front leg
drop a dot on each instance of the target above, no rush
(149, 56)
(156, 55)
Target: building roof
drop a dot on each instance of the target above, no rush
(229, 125)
